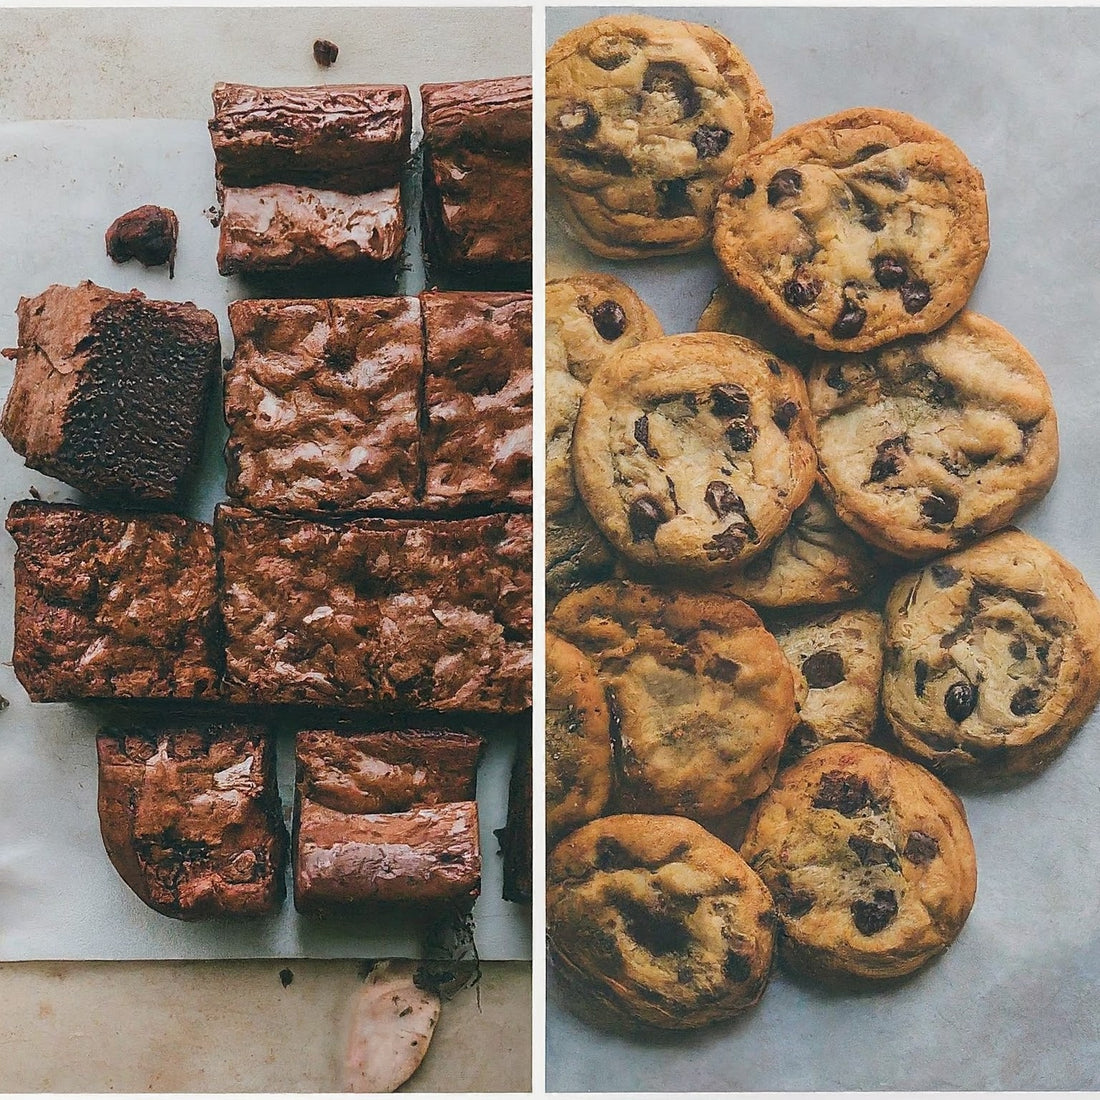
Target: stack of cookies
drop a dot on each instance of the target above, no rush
(787, 607)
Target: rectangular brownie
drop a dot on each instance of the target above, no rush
(377, 613)
(477, 209)
(113, 606)
(110, 391)
(477, 439)
(322, 402)
(385, 817)
(191, 818)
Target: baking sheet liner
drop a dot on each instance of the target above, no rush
(1011, 1004)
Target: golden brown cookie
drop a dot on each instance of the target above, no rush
(654, 921)
(869, 859)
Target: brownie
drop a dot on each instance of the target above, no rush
(110, 391)
(477, 208)
(113, 606)
(385, 818)
(477, 439)
(191, 818)
(516, 838)
(322, 402)
(377, 613)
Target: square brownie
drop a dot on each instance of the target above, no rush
(191, 818)
(385, 817)
(477, 439)
(323, 403)
(477, 209)
(377, 613)
(110, 391)
(113, 606)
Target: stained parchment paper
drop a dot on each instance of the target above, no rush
(1011, 1005)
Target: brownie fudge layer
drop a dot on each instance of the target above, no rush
(322, 402)
(377, 613)
(191, 818)
(110, 391)
(121, 606)
(477, 178)
(477, 440)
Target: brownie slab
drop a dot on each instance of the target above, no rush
(322, 403)
(113, 606)
(477, 179)
(477, 439)
(110, 391)
(377, 613)
(191, 818)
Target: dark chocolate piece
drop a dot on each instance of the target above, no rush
(147, 234)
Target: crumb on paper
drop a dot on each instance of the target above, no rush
(325, 52)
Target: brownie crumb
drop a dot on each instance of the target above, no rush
(147, 234)
(325, 52)
(286, 976)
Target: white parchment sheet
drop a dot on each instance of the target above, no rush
(63, 184)
(1012, 1004)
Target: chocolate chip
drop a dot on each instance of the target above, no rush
(710, 141)
(944, 576)
(874, 915)
(325, 52)
(915, 295)
(773, 366)
(730, 399)
(847, 794)
(795, 903)
(1025, 701)
(745, 188)
(870, 151)
(890, 272)
(801, 290)
(824, 669)
(849, 321)
(920, 847)
(641, 434)
(870, 216)
(646, 515)
(729, 543)
(888, 456)
(785, 414)
(920, 677)
(612, 856)
(737, 967)
(1017, 649)
(579, 120)
(609, 319)
(672, 198)
(940, 508)
(960, 700)
(897, 179)
(834, 378)
(610, 52)
(741, 437)
(785, 184)
(672, 79)
(722, 668)
(872, 853)
(671, 491)
(722, 500)
(658, 933)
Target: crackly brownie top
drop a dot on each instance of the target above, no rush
(113, 605)
(493, 114)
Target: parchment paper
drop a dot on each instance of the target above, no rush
(1011, 1005)
(63, 184)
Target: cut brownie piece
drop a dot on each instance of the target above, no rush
(377, 613)
(110, 391)
(113, 606)
(477, 208)
(191, 818)
(478, 399)
(516, 838)
(322, 402)
(385, 817)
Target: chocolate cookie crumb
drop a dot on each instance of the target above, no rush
(325, 52)
(286, 976)
(148, 234)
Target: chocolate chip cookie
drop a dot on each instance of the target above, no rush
(589, 316)
(869, 859)
(837, 663)
(691, 452)
(992, 657)
(644, 119)
(855, 229)
(578, 739)
(930, 443)
(651, 920)
(701, 693)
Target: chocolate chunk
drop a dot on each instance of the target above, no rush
(579, 120)
(658, 933)
(729, 543)
(888, 456)
(834, 378)
(824, 669)
(710, 141)
(722, 668)
(785, 414)
(1017, 649)
(325, 52)
(671, 78)
(849, 321)
(944, 576)
(870, 216)
(870, 151)
(785, 184)
(741, 437)
(745, 188)
(940, 507)
(614, 164)
(672, 199)
(847, 794)
(960, 700)
(795, 903)
(730, 399)
(610, 52)
(646, 515)
(722, 500)
(801, 290)
(609, 319)
(612, 856)
(872, 853)
(641, 434)
(1025, 701)
(940, 391)
(737, 967)
(920, 677)
(915, 295)
(874, 915)
(896, 179)
(890, 272)
(920, 847)
(147, 234)
(672, 494)
(773, 366)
